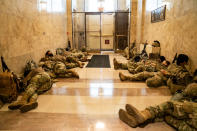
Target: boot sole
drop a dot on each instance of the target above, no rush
(121, 77)
(14, 107)
(131, 110)
(123, 117)
(27, 108)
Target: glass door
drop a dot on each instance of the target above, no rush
(107, 31)
(93, 31)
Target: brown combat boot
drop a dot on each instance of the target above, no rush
(140, 116)
(128, 119)
(74, 74)
(29, 106)
(122, 77)
(19, 103)
(116, 64)
(81, 65)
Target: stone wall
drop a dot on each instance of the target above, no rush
(134, 5)
(177, 33)
(69, 20)
(28, 30)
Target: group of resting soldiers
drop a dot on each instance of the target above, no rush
(181, 111)
(39, 78)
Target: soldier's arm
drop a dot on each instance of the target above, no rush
(30, 75)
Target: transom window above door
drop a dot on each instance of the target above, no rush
(100, 5)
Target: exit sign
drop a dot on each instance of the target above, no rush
(107, 41)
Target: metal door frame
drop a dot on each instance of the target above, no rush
(117, 11)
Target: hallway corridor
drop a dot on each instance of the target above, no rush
(88, 104)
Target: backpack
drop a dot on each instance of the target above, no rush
(8, 87)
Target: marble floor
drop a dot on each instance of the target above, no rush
(88, 104)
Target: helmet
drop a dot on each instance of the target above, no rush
(191, 90)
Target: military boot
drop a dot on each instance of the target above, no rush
(116, 64)
(140, 116)
(32, 104)
(19, 103)
(81, 65)
(74, 74)
(122, 77)
(128, 119)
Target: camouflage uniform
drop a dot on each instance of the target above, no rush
(36, 82)
(57, 69)
(133, 67)
(126, 52)
(149, 66)
(179, 112)
(156, 79)
(61, 71)
(69, 61)
(180, 77)
(81, 56)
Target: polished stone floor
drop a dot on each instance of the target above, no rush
(88, 104)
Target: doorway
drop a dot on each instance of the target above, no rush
(101, 25)
(100, 31)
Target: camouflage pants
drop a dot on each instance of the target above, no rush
(157, 80)
(153, 79)
(71, 59)
(71, 65)
(142, 76)
(123, 66)
(126, 66)
(61, 71)
(38, 85)
(78, 55)
(134, 70)
(72, 62)
(181, 115)
(141, 68)
(173, 87)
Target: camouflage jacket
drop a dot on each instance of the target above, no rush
(179, 75)
(188, 94)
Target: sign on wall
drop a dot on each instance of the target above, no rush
(107, 42)
(158, 14)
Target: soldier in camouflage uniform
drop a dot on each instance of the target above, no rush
(135, 65)
(69, 61)
(180, 76)
(125, 66)
(180, 112)
(36, 82)
(130, 53)
(175, 76)
(78, 55)
(58, 69)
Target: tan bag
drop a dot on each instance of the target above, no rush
(8, 88)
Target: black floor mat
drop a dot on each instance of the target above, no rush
(99, 61)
